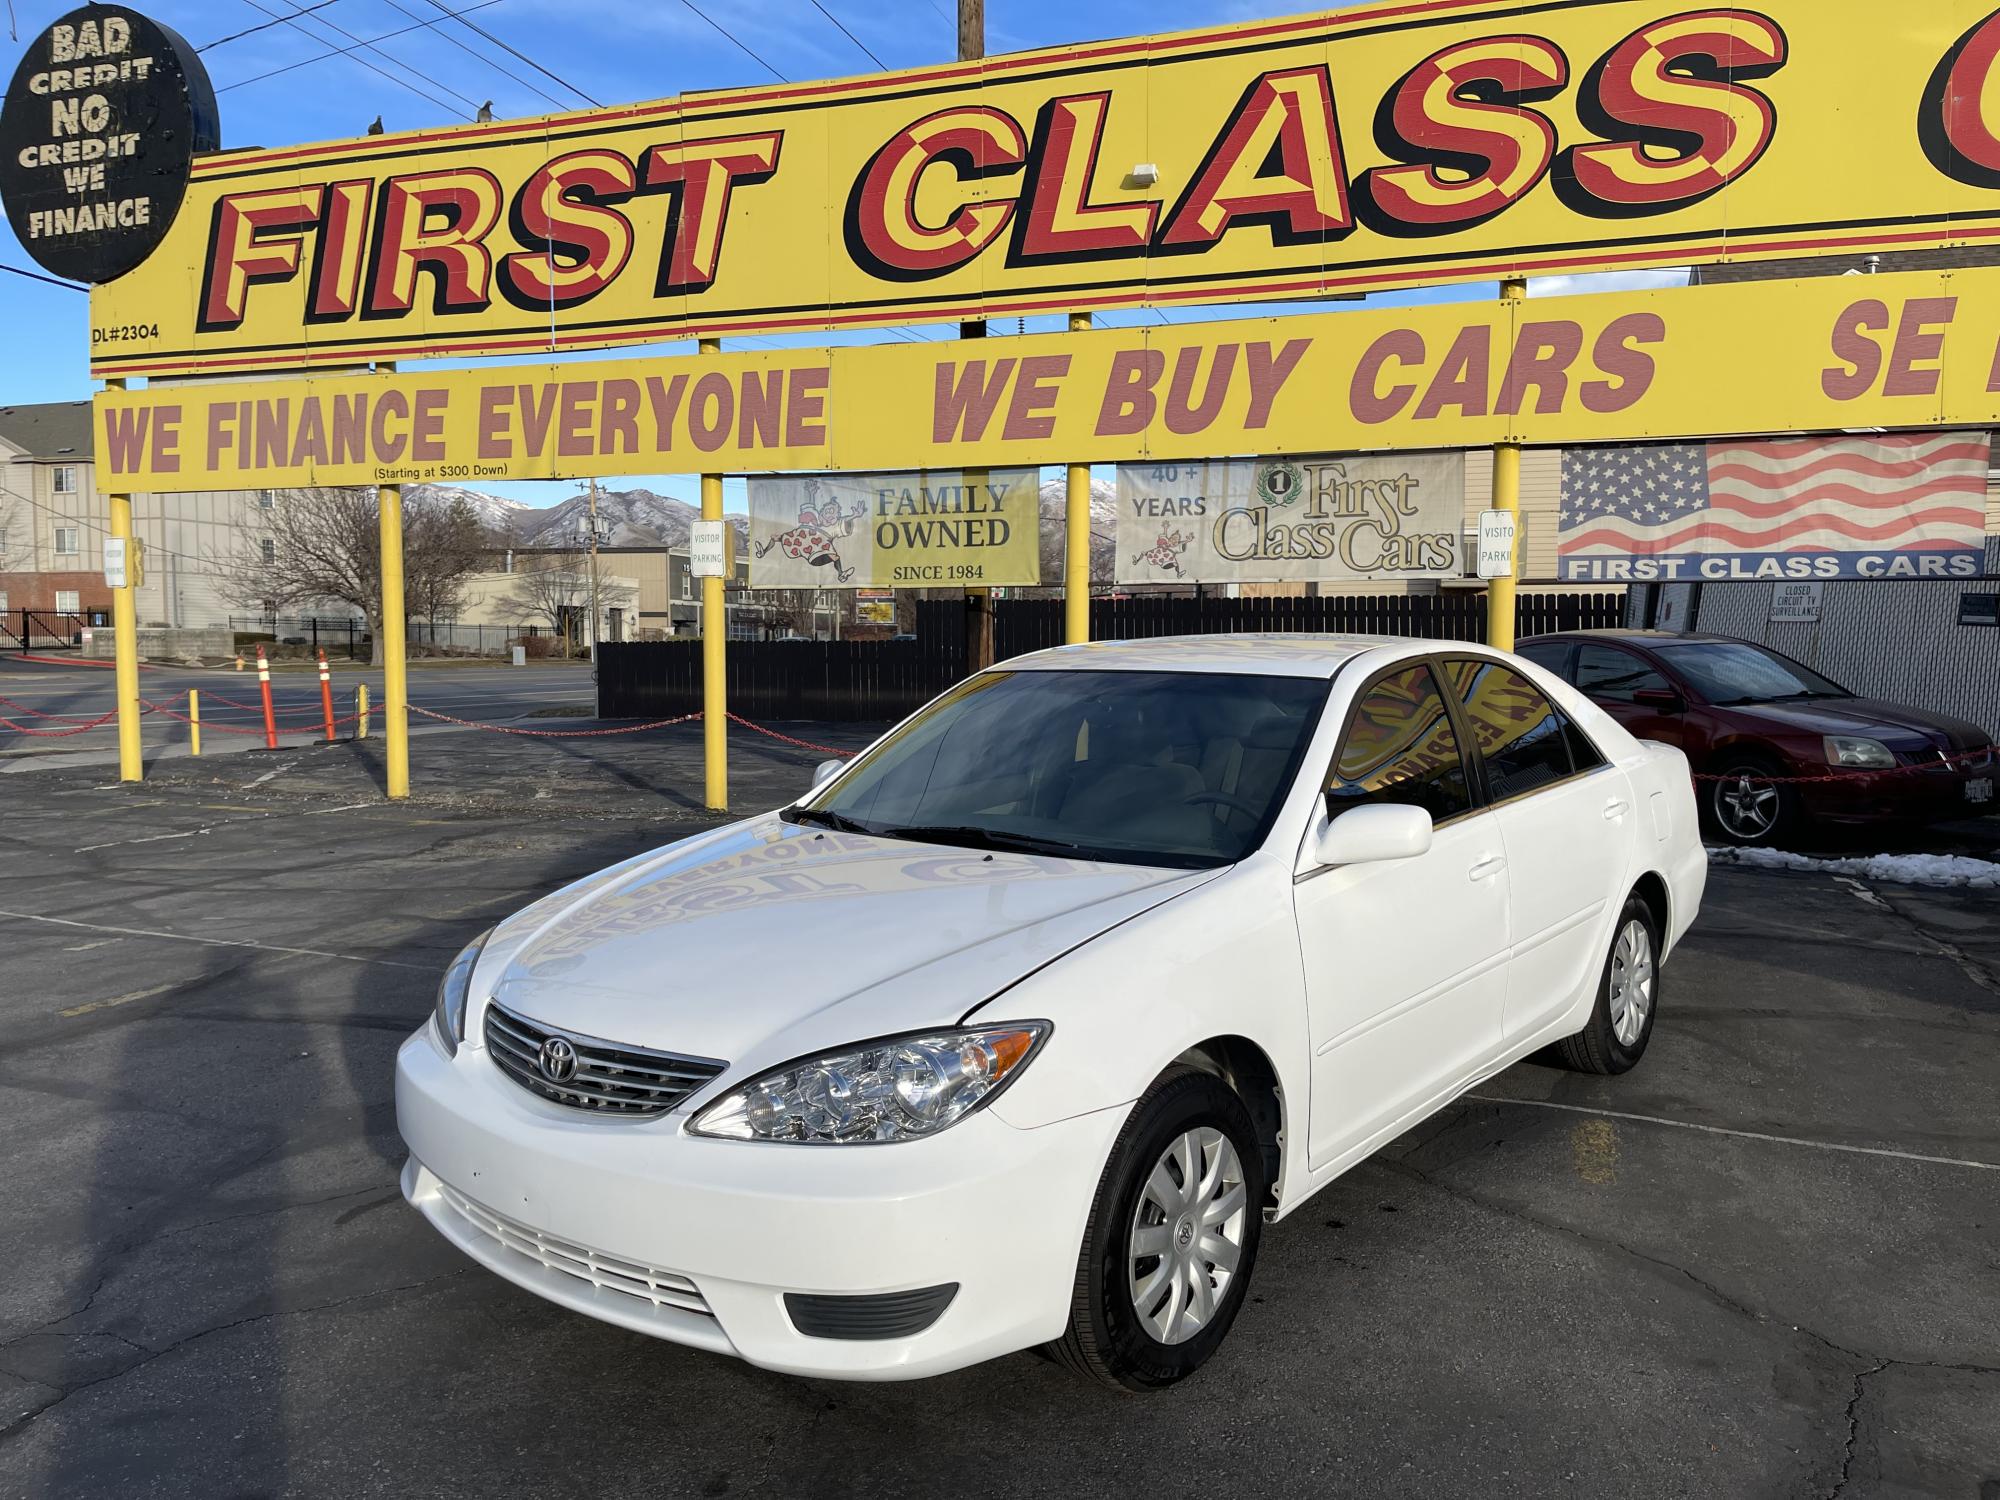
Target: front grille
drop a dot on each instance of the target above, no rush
(609, 1077)
(645, 1283)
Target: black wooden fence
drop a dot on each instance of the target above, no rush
(873, 680)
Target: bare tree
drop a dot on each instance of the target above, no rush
(555, 587)
(323, 546)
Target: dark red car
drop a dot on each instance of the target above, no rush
(1748, 716)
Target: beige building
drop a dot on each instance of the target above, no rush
(54, 522)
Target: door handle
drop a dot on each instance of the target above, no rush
(1492, 864)
(1615, 809)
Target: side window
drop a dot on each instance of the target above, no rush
(1523, 739)
(1552, 656)
(1400, 747)
(1607, 673)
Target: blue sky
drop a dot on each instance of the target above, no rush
(439, 71)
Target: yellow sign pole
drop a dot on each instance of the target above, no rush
(1076, 538)
(714, 638)
(194, 722)
(1506, 497)
(125, 639)
(395, 678)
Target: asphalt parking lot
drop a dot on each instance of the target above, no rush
(1765, 1264)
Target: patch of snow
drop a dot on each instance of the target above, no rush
(1891, 869)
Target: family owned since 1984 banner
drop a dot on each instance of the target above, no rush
(932, 528)
(1284, 520)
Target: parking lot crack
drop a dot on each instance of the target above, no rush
(1853, 1419)
(15, 1428)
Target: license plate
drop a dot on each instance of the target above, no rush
(1979, 789)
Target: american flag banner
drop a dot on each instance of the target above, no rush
(1905, 505)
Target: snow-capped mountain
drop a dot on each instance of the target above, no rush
(496, 513)
(1103, 529)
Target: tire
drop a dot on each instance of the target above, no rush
(1745, 805)
(1114, 1335)
(1609, 1043)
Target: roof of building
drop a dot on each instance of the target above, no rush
(53, 429)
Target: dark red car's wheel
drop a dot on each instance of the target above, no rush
(1748, 803)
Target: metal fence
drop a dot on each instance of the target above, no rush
(873, 680)
(350, 634)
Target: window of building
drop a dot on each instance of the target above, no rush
(1400, 748)
(67, 602)
(66, 541)
(1609, 673)
(687, 584)
(64, 479)
(265, 499)
(269, 550)
(3, 601)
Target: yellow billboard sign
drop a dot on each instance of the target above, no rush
(1911, 349)
(1386, 145)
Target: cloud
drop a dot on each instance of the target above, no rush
(1606, 281)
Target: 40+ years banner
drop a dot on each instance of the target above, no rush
(1381, 145)
(933, 529)
(1285, 520)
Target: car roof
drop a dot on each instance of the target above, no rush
(1639, 637)
(1287, 655)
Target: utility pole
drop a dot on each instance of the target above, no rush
(593, 580)
(978, 601)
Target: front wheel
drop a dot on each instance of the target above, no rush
(1172, 1238)
(1748, 804)
(1628, 999)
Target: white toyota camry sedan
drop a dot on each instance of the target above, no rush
(1020, 1028)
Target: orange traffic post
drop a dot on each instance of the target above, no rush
(326, 697)
(264, 685)
(194, 722)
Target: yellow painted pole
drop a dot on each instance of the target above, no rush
(395, 650)
(714, 659)
(361, 711)
(1076, 538)
(125, 639)
(194, 722)
(1507, 497)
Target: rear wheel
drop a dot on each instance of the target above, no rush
(1747, 803)
(1628, 999)
(1171, 1240)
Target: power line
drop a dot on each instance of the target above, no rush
(526, 83)
(850, 35)
(293, 20)
(732, 37)
(482, 31)
(263, 26)
(341, 51)
(38, 276)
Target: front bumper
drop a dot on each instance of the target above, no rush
(1909, 794)
(698, 1241)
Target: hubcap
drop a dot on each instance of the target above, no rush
(1746, 804)
(1187, 1234)
(1631, 988)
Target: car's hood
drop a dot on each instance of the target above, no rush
(1895, 724)
(769, 938)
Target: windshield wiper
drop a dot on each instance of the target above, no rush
(821, 818)
(971, 837)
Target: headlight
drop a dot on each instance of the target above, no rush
(1845, 750)
(452, 990)
(895, 1090)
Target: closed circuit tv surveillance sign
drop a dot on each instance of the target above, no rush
(97, 135)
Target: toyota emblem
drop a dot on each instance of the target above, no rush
(558, 1060)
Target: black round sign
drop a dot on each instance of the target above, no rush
(98, 131)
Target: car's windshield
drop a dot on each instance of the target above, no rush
(1175, 768)
(1726, 672)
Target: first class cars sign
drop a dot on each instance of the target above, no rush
(97, 135)
(1386, 145)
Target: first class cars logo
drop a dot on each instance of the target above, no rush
(558, 1060)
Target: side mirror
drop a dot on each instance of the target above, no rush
(826, 770)
(1373, 834)
(1666, 700)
